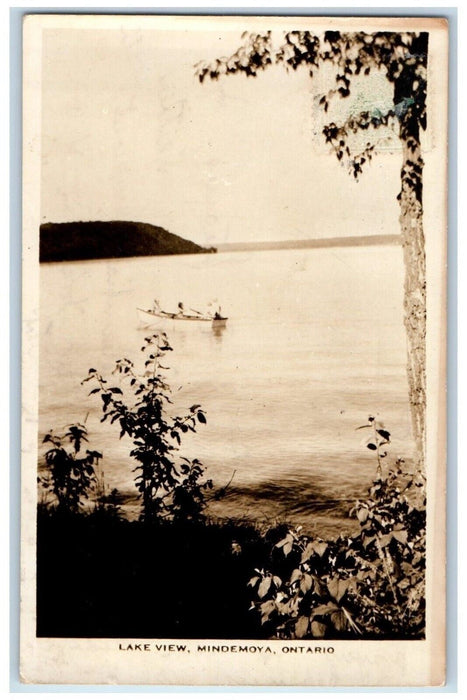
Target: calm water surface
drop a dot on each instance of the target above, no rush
(314, 343)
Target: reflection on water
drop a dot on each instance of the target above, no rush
(314, 343)
(218, 331)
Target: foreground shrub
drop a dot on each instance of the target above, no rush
(370, 583)
(71, 472)
(171, 486)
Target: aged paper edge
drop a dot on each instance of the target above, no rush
(98, 660)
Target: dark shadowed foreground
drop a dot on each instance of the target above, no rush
(100, 577)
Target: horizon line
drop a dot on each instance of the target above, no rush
(335, 241)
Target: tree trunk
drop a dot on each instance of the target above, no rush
(413, 241)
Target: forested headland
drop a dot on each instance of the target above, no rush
(89, 240)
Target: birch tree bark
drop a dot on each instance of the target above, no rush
(413, 242)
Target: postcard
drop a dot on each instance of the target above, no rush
(234, 361)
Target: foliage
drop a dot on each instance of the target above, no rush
(401, 56)
(370, 583)
(379, 437)
(71, 474)
(170, 487)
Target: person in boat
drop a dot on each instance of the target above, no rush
(218, 314)
(181, 309)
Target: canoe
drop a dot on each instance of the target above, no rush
(149, 317)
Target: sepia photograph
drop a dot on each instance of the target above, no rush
(234, 350)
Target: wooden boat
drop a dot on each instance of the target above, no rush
(157, 317)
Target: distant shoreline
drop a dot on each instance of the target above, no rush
(113, 240)
(338, 242)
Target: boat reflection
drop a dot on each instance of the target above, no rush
(218, 330)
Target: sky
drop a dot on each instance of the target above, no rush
(129, 133)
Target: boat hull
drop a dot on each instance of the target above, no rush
(152, 319)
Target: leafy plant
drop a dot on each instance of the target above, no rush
(378, 438)
(171, 486)
(71, 474)
(370, 583)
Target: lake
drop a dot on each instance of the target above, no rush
(314, 343)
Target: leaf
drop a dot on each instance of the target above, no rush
(287, 548)
(318, 629)
(301, 626)
(201, 417)
(308, 551)
(116, 390)
(305, 583)
(253, 581)
(343, 588)
(405, 583)
(337, 588)
(339, 621)
(400, 536)
(284, 541)
(320, 547)
(318, 587)
(266, 609)
(264, 586)
(94, 391)
(362, 575)
(371, 445)
(324, 609)
(296, 575)
(384, 540)
(362, 514)
(332, 586)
